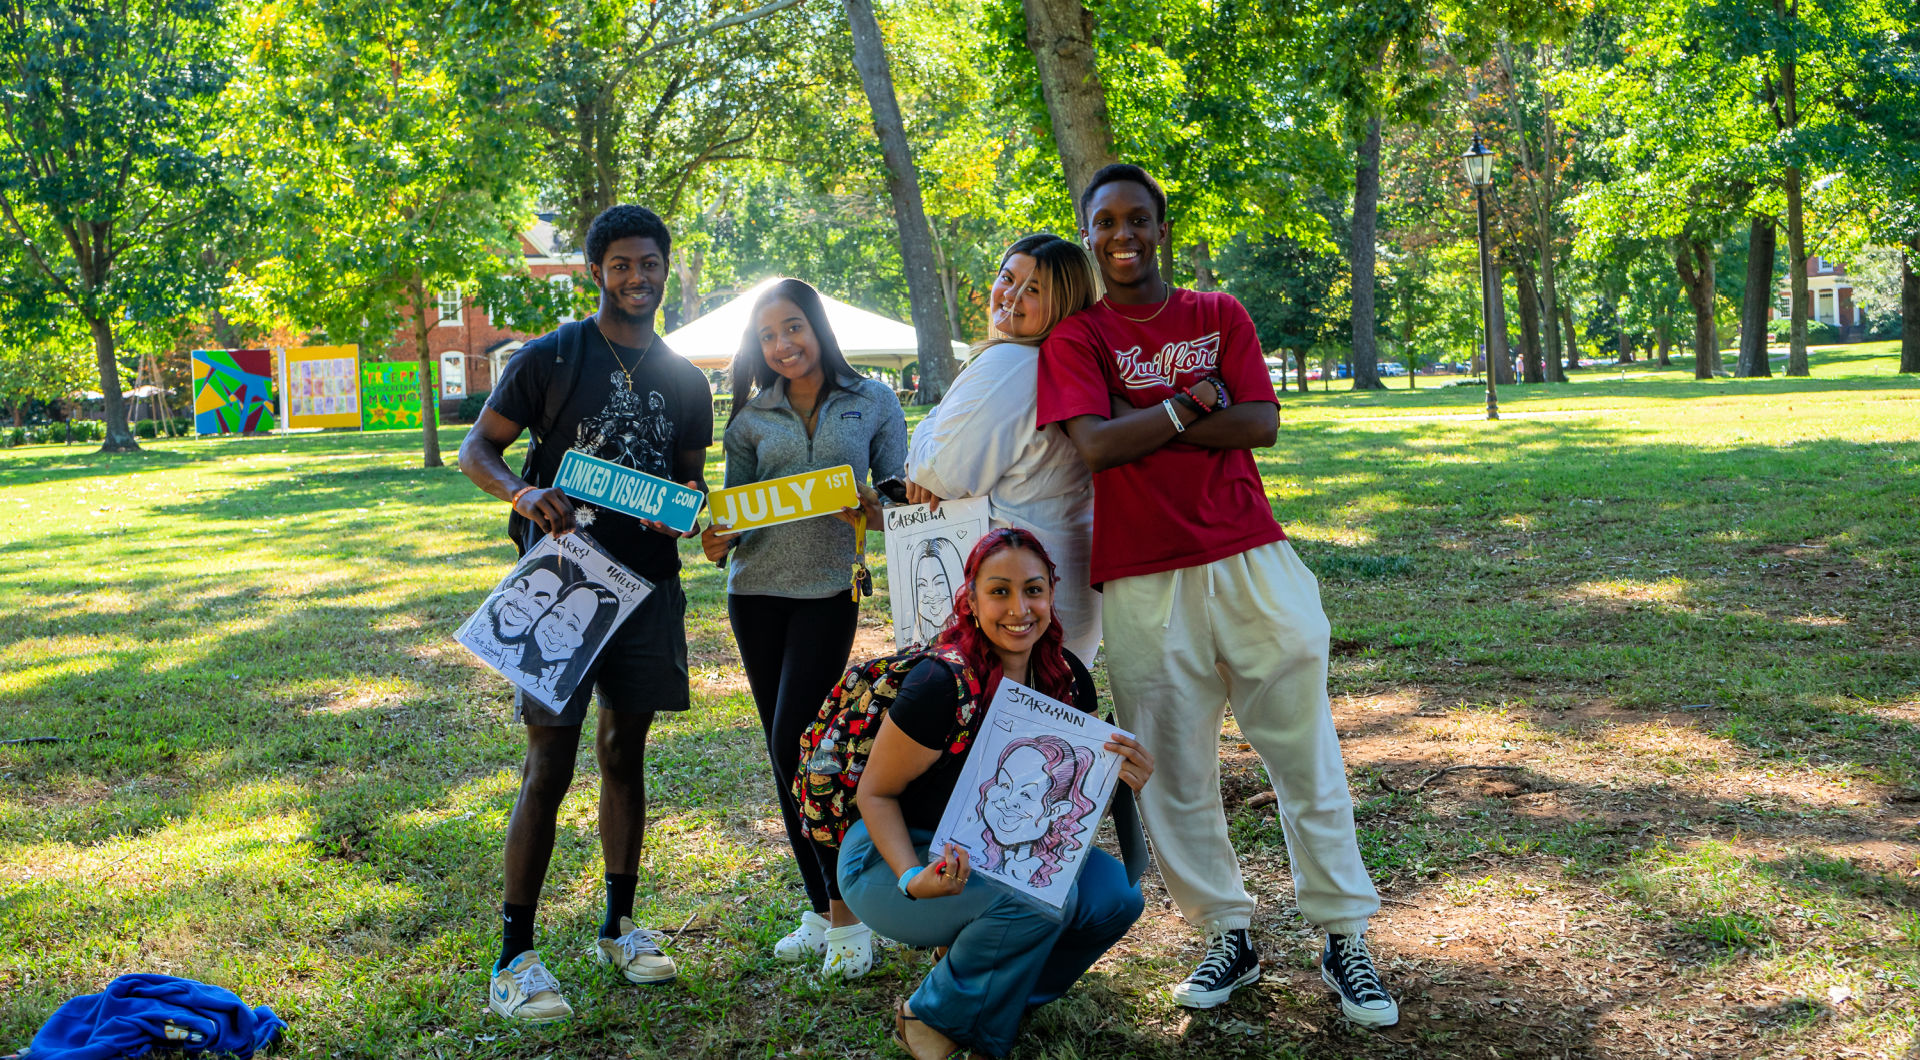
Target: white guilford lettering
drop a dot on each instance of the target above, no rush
(1175, 359)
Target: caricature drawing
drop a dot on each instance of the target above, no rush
(1033, 808)
(936, 574)
(581, 614)
(543, 625)
(514, 609)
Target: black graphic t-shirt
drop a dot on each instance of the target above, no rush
(668, 408)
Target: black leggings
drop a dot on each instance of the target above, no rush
(794, 651)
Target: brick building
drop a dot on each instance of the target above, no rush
(1829, 298)
(472, 348)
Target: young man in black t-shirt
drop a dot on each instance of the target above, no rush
(608, 387)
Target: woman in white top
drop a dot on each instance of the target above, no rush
(980, 440)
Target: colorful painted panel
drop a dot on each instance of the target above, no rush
(232, 391)
(322, 384)
(390, 395)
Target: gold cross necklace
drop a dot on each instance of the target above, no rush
(608, 343)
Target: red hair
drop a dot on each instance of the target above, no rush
(1047, 668)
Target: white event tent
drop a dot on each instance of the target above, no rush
(866, 338)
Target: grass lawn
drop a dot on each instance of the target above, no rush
(1674, 626)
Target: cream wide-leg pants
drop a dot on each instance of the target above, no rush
(1247, 630)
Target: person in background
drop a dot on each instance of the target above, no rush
(980, 441)
(798, 406)
(640, 405)
(1165, 394)
(1004, 957)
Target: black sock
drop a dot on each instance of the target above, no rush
(516, 936)
(619, 903)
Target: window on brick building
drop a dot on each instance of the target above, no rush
(449, 302)
(563, 287)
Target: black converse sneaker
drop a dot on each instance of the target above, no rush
(1347, 967)
(1229, 965)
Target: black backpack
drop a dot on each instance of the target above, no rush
(564, 380)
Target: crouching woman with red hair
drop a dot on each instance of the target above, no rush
(1004, 956)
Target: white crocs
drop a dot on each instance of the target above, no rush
(849, 952)
(808, 942)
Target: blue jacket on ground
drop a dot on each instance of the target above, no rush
(135, 1013)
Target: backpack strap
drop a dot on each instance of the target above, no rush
(561, 385)
(562, 382)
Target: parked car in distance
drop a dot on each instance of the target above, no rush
(1392, 368)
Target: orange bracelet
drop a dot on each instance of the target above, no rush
(514, 502)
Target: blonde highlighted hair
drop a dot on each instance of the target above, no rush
(1069, 283)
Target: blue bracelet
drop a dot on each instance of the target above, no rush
(906, 878)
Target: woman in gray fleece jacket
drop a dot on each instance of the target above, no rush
(798, 406)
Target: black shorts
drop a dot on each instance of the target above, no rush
(641, 670)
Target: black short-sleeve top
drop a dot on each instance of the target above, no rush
(925, 709)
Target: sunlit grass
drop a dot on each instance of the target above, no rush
(301, 784)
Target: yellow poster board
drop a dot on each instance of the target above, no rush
(320, 386)
(783, 500)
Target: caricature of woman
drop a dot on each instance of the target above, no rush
(936, 563)
(579, 616)
(1033, 808)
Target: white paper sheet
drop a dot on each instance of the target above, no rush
(547, 620)
(1031, 797)
(925, 553)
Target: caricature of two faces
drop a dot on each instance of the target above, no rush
(538, 605)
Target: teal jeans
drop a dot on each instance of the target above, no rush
(1003, 955)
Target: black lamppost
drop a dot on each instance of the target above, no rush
(1478, 162)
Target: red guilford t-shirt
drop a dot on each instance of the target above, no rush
(1180, 506)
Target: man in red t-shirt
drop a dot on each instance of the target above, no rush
(1165, 393)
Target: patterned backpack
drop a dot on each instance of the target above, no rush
(834, 749)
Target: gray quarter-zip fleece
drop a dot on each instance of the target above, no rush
(861, 426)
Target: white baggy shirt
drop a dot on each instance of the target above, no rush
(980, 441)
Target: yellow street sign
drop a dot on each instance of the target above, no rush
(783, 500)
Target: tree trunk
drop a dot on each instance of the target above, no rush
(1666, 337)
(910, 215)
(1203, 279)
(1060, 36)
(1529, 299)
(1797, 280)
(1573, 344)
(1623, 348)
(119, 437)
(1300, 366)
(1910, 307)
(950, 292)
(1755, 300)
(1796, 229)
(687, 265)
(1366, 210)
(1550, 320)
(1497, 343)
(1694, 262)
(429, 394)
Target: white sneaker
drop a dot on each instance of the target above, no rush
(636, 954)
(526, 992)
(849, 952)
(808, 942)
